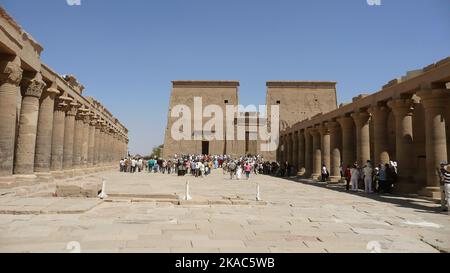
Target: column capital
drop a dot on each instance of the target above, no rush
(378, 110)
(360, 118)
(35, 86)
(323, 129)
(93, 119)
(308, 131)
(83, 114)
(61, 106)
(72, 109)
(99, 123)
(52, 91)
(86, 119)
(332, 126)
(10, 70)
(402, 107)
(62, 103)
(315, 131)
(345, 122)
(434, 98)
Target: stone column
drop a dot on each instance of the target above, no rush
(317, 153)
(85, 140)
(114, 144)
(308, 152)
(289, 148)
(381, 147)
(97, 142)
(69, 128)
(286, 148)
(403, 111)
(78, 140)
(111, 152)
(325, 146)
(59, 116)
(295, 149)
(43, 156)
(124, 147)
(119, 146)
(10, 77)
(348, 140)
(335, 146)
(91, 145)
(361, 120)
(26, 140)
(107, 145)
(435, 102)
(102, 143)
(301, 151)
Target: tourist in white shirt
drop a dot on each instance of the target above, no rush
(355, 177)
(368, 173)
(133, 165)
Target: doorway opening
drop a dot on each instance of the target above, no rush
(205, 147)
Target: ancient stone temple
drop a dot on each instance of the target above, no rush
(48, 129)
(407, 121)
(297, 100)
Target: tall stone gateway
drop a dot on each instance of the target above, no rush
(184, 95)
(297, 101)
(300, 100)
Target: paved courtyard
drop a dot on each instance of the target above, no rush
(144, 214)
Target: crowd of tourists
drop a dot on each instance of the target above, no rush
(380, 179)
(202, 166)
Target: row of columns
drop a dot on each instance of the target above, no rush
(347, 139)
(52, 135)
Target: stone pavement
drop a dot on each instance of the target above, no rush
(140, 216)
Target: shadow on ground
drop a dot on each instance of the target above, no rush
(416, 202)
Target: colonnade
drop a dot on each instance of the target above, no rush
(45, 134)
(360, 131)
(48, 129)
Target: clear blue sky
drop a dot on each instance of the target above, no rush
(126, 53)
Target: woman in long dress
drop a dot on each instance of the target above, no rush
(239, 172)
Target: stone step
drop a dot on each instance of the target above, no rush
(47, 205)
(144, 196)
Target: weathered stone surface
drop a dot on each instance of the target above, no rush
(80, 188)
(295, 219)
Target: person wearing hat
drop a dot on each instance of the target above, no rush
(444, 173)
